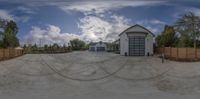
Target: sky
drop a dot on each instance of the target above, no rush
(59, 21)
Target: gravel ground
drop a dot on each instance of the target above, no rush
(90, 75)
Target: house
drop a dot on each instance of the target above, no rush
(98, 46)
(136, 41)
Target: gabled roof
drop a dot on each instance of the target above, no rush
(136, 31)
(94, 43)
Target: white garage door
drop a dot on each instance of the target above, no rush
(136, 46)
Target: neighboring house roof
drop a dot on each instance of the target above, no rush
(19, 48)
(94, 43)
(138, 26)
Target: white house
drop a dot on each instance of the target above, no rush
(136, 41)
(99, 46)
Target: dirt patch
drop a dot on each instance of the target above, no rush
(167, 85)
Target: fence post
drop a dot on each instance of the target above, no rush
(3, 53)
(170, 52)
(195, 53)
(164, 50)
(186, 53)
(177, 53)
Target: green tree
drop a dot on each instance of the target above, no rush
(46, 47)
(188, 26)
(2, 23)
(168, 37)
(35, 47)
(77, 44)
(10, 39)
(24, 46)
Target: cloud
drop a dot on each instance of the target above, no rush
(51, 34)
(196, 11)
(157, 22)
(23, 19)
(92, 28)
(95, 28)
(26, 10)
(6, 15)
(97, 7)
(184, 10)
(153, 30)
(151, 22)
(98, 24)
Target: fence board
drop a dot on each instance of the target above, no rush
(1, 54)
(198, 53)
(174, 52)
(191, 53)
(167, 51)
(10, 53)
(181, 53)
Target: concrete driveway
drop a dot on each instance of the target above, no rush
(90, 75)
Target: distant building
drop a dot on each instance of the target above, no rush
(98, 46)
(136, 41)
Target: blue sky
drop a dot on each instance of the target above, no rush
(58, 21)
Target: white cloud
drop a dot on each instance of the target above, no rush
(184, 10)
(153, 30)
(51, 34)
(195, 11)
(6, 15)
(158, 22)
(97, 24)
(92, 28)
(152, 22)
(97, 7)
(26, 10)
(23, 19)
(95, 28)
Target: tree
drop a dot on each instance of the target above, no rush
(10, 39)
(168, 37)
(2, 23)
(188, 26)
(46, 47)
(24, 46)
(77, 44)
(35, 47)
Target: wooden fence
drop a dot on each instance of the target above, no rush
(180, 53)
(10, 53)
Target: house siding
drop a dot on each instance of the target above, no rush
(136, 31)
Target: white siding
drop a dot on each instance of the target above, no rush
(124, 47)
(137, 29)
(149, 45)
(123, 44)
(98, 45)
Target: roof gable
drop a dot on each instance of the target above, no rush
(137, 28)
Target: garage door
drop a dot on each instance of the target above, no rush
(137, 46)
(92, 48)
(100, 48)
